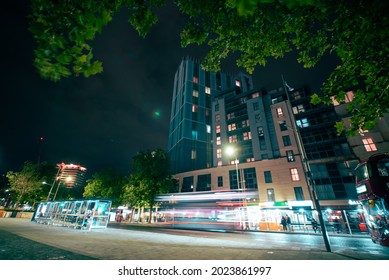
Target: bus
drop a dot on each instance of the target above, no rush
(372, 187)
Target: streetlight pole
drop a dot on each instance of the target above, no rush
(232, 151)
(307, 169)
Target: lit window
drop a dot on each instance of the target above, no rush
(195, 93)
(218, 141)
(231, 127)
(195, 80)
(219, 153)
(208, 128)
(207, 90)
(303, 123)
(294, 174)
(237, 83)
(298, 109)
(217, 129)
(232, 139)
(194, 108)
(255, 95)
(270, 195)
(279, 112)
(247, 135)
(193, 154)
(369, 145)
(219, 163)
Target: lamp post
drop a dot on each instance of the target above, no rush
(51, 189)
(307, 168)
(232, 152)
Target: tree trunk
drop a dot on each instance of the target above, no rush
(150, 213)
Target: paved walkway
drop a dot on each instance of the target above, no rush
(119, 244)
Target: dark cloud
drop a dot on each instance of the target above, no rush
(103, 121)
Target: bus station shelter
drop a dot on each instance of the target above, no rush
(83, 214)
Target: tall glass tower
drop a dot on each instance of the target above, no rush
(190, 134)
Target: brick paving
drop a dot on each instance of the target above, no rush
(22, 239)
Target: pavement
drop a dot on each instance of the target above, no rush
(21, 239)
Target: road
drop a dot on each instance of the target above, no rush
(140, 242)
(357, 246)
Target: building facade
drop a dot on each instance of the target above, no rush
(269, 131)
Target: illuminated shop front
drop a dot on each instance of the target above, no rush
(81, 214)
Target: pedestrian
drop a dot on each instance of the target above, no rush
(314, 225)
(288, 222)
(283, 223)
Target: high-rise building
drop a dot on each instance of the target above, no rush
(71, 175)
(190, 134)
(285, 147)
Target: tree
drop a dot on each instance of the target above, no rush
(355, 31)
(150, 177)
(105, 184)
(25, 185)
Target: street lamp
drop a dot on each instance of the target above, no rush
(306, 167)
(231, 151)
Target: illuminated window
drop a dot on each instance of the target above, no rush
(219, 153)
(298, 109)
(218, 141)
(195, 108)
(247, 135)
(280, 113)
(195, 80)
(193, 156)
(294, 174)
(217, 130)
(255, 95)
(270, 195)
(219, 163)
(208, 128)
(303, 123)
(207, 90)
(232, 139)
(195, 93)
(237, 83)
(231, 126)
(369, 145)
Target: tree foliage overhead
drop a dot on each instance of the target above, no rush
(356, 31)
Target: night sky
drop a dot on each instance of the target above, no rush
(103, 121)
